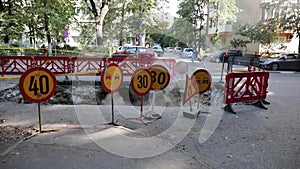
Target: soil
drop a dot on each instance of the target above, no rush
(10, 135)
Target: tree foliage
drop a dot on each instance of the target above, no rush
(41, 19)
(189, 26)
(129, 15)
(11, 26)
(226, 11)
(291, 22)
(262, 32)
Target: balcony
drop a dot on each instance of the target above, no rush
(221, 29)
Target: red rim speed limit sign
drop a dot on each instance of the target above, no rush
(37, 84)
(141, 82)
(112, 78)
(160, 77)
(203, 80)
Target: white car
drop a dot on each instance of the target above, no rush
(158, 50)
(120, 49)
(188, 53)
(168, 49)
(178, 50)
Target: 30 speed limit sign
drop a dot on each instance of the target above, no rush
(37, 84)
(141, 82)
(160, 77)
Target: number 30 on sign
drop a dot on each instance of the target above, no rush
(141, 82)
(37, 84)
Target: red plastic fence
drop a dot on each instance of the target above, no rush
(248, 86)
(16, 65)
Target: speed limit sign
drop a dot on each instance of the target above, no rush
(37, 84)
(203, 80)
(112, 78)
(141, 82)
(160, 77)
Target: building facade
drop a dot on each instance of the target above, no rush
(252, 12)
(286, 41)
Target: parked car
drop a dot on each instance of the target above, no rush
(231, 53)
(289, 61)
(178, 50)
(218, 56)
(158, 50)
(168, 49)
(135, 52)
(188, 53)
(213, 57)
(120, 49)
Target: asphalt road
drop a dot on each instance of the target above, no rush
(253, 138)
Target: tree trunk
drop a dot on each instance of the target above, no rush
(122, 23)
(99, 24)
(46, 22)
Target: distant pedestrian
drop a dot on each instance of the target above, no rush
(45, 51)
(194, 55)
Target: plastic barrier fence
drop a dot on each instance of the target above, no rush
(245, 87)
(16, 65)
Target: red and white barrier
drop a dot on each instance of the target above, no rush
(246, 87)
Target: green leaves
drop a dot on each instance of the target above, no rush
(20, 15)
(262, 32)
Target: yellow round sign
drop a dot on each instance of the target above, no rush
(203, 79)
(112, 78)
(37, 84)
(141, 81)
(160, 77)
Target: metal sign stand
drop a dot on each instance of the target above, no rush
(191, 109)
(112, 110)
(40, 118)
(153, 101)
(142, 102)
(222, 71)
(198, 105)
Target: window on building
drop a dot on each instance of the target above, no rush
(264, 14)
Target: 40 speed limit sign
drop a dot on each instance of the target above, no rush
(141, 82)
(37, 84)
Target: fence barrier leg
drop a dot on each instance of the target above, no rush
(266, 102)
(259, 104)
(229, 109)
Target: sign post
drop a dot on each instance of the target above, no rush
(141, 84)
(111, 82)
(223, 62)
(160, 80)
(37, 85)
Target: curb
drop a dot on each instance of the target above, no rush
(284, 72)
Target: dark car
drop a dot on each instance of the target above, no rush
(231, 53)
(283, 62)
(135, 52)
